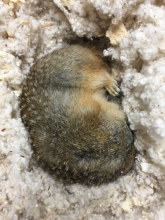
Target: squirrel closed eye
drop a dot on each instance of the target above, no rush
(77, 134)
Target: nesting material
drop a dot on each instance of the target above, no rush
(116, 33)
(31, 29)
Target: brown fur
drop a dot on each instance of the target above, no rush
(77, 134)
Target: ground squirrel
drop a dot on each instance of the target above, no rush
(78, 132)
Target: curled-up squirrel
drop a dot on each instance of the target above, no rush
(78, 134)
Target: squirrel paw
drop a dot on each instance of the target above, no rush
(112, 87)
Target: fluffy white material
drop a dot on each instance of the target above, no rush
(30, 29)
